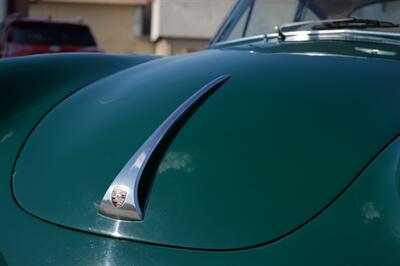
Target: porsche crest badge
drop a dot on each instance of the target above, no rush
(118, 196)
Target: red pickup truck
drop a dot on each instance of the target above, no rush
(27, 36)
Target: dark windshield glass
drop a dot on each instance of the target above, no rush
(50, 34)
(254, 17)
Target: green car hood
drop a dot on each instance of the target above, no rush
(262, 156)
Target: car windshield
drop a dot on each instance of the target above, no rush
(255, 17)
(50, 34)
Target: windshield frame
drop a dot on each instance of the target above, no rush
(239, 10)
(230, 20)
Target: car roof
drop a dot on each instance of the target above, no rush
(27, 20)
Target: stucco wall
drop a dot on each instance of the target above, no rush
(112, 25)
(173, 46)
(198, 19)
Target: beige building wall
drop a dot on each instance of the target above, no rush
(111, 24)
(180, 26)
(173, 46)
(197, 19)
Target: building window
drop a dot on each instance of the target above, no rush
(142, 21)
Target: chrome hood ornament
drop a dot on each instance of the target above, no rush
(121, 199)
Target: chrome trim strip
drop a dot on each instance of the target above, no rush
(342, 35)
(375, 51)
(121, 199)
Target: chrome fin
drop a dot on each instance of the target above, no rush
(121, 198)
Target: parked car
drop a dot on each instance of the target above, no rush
(27, 36)
(274, 146)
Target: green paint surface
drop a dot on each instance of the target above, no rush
(257, 164)
(261, 157)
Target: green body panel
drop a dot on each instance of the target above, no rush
(32, 82)
(360, 228)
(30, 88)
(272, 148)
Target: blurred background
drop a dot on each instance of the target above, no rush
(163, 27)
